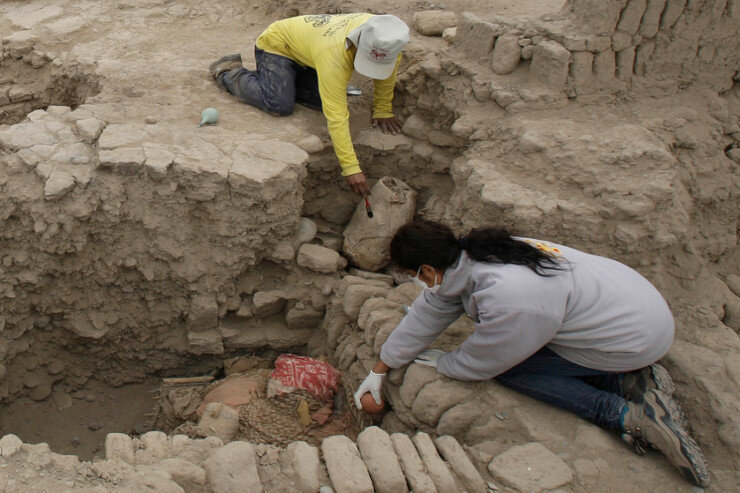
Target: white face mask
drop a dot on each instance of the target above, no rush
(424, 285)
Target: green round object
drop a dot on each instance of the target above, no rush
(208, 116)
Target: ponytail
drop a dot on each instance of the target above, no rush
(423, 242)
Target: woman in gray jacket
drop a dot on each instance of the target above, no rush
(575, 330)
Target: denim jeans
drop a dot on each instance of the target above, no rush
(275, 86)
(591, 394)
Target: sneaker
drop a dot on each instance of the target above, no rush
(224, 64)
(653, 377)
(655, 420)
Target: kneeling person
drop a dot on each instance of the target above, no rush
(309, 60)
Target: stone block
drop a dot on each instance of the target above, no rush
(119, 446)
(24, 135)
(320, 259)
(437, 397)
(449, 35)
(158, 161)
(416, 377)
(457, 420)
(59, 184)
(435, 466)
(506, 53)
(629, 19)
(461, 465)
(605, 65)
(311, 144)
(620, 41)
(651, 18)
(346, 469)
(18, 94)
(125, 160)
(530, 467)
(673, 10)
(376, 449)
(357, 294)
(475, 37)
(10, 445)
(189, 476)
(597, 44)
(416, 127)
(304, 460)
(203, 313)
(412, 465)
(32, 15)
(155, 448)
(205, 342)
(581, 68)
(367, 240)
(625, 63)
(90, 129)
(65, 26)
(266, 303)
(233, 469)
(643, 58)
(550, 63)
(303, 315)
(218, 420)
(120, 135)
(434, 22)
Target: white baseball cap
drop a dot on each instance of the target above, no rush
(378, 42)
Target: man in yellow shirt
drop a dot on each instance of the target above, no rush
(309, 60)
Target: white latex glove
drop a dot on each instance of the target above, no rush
(372, 383)
(429, 357)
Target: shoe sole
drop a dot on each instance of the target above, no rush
(698, 474)
(227, 58)
(662, 380)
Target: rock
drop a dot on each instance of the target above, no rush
(437, 397)
(31, 15)
(347, 472)
(311, 144)
(67, 25)
(651, 18)
(357, 294)
(597, 44)
(506, 53)
(18, 94)
(59, 184)
(304, 460)
(157, 162)
(412, 465)
(416, 127)
(621, 41)
(126, 160)
(266, 303)
(605, 65)
(733, 282)
(380, 459)
(582, 67)
(550, 64)
(435, 466)
(25, 135)
(367, 240)
(203, 313)
(449, 34)
(339, 209)
(434, 22)
(155, 448)
(475, 37)
(457, 420)
(416, 377)
(218, 420)
(673, 10)
(461, 465)
(115, 136)
(189, 476)
(320, 259)
(10, 445)
(233, 469)
(205, 342)
(629, 19)
(530, 467)
(625, 63)
(303, 315)
(119, 446)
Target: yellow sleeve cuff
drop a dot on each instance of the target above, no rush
(383, 114)
(351, 170)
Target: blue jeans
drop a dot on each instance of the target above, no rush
(275, 86)
(594, 395)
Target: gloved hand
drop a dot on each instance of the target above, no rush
(372, 383)
(429, 357)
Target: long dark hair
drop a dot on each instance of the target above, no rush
(427, 242)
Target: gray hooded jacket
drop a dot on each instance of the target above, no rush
(596, 312)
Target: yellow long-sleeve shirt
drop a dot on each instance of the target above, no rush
(318, 41)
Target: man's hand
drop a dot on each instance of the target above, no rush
(358, 184)
(392, 125)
